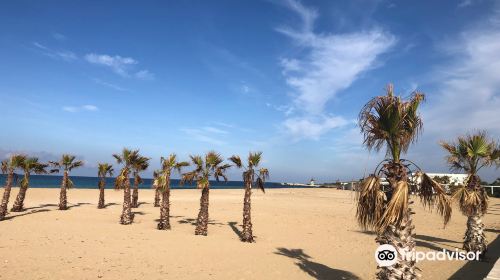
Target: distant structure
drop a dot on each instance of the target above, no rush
(312, 183)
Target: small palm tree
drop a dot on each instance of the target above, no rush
(66, 163)
(141, 164)
(28, 165)
(8, 167)
(163, 185)
(395, 123)
(471, 153)
(249, 179)
(127, 158)
(103, 170)
(211, 166)
(155, 186)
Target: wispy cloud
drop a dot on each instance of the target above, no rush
(75, 109)
(202, 135)
(56, 54)
(123, 66)
(331, 64)
(110, 85)
(58, 36)
(464, 3)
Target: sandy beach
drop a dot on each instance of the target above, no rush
(300, 234)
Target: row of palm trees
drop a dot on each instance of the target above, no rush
(211, 166)
(394, 123)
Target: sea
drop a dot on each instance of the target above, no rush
(83, 182)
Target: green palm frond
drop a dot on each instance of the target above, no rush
(254, 159)
(391, 121)
(236, 160)
(104, 169)
(472, 152)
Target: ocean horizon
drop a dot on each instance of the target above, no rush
(88, 182)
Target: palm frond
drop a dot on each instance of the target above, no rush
(432, 194)
(254, 159)
(396, 209)
(236, 160)
(370, 200)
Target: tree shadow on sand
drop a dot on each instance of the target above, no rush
(235, 228)
(25, 213)
(314, 269)
(480, 269)
(426, 241)
(193, 222)
(78, 205)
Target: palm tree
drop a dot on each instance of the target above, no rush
(8, 167)
(249, 179)
(211, 166)
(66, 163)
(393, 122)
(155, 186)
(471, 153)
(128, 158)
(28, 165)
(141, 164)
(103, 170)
(163, 185)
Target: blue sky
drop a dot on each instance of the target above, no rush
(284, 77)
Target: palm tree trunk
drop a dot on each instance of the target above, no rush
(102, 183)
(127, 216)
(63, 201)
(19, 203)
(165, 208)
(202, 221)
(247, 235)
(135, 194)
(6, 194)
(157, 197)
(474, 239)
(402, 237)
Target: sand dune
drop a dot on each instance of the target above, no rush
(301, 234)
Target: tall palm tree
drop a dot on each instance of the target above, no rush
(393, 122)
(28, 165)
(141, 164)
(103, 170)
(127, 158)
(66, 163)
(8, 167)
(157, 189)
(470, 153)
(211, 166)
(163, 185)
(249, 179)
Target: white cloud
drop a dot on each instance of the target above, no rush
(313, 128)
(331, 64)
(214, 130)
(62, 54)
(110, 85)
(465, 3)
(468, 93)
(118, 64)
(144, 75)
(58, 36)
(75, 109)
(202, 136)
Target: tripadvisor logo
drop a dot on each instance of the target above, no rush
(387, 255)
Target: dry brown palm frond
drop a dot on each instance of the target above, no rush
(471, 201)
(396, 209)
(120, 179)
(370, 202)
(433, 194)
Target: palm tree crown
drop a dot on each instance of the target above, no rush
(105, 169)
(204, 169)
(13, 162)
(66, 163)
(472, 152)
(392, 121)
(167, 165)
(254, 159)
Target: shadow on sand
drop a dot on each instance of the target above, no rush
(24, 213)
(234, 227)
(193, 222)
(480, 269)
(314, 269)
(78, 205)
